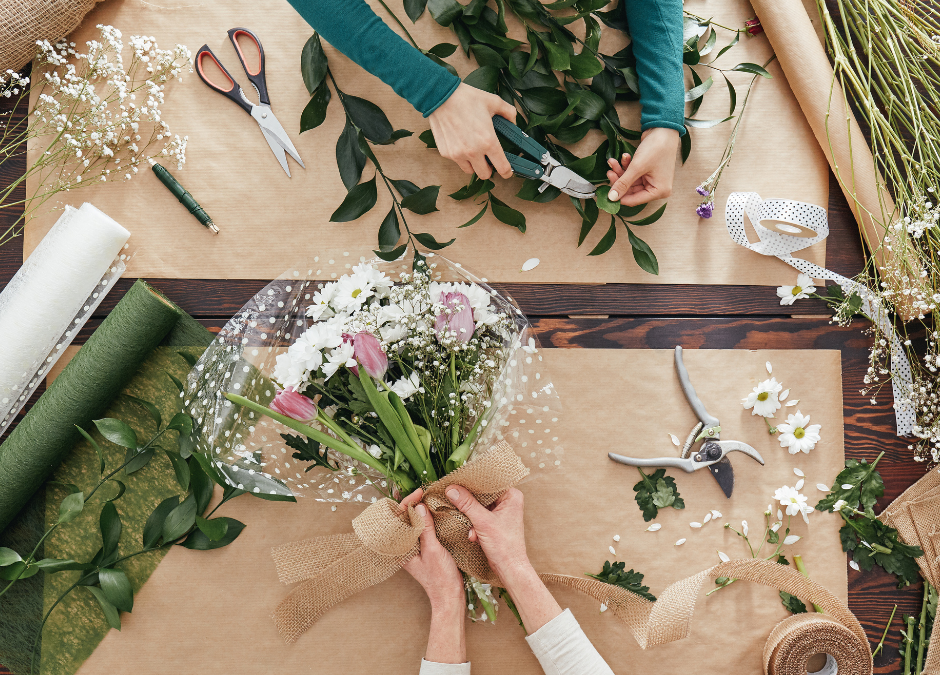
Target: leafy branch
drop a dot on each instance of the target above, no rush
(656, 491)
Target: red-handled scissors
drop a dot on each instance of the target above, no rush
(273, 132)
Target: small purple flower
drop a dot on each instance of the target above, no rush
(705, 209)
(702, 191)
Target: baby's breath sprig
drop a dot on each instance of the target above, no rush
(93, 118)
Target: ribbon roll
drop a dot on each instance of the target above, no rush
(799, 217)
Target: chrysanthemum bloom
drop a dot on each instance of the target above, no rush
(764, 399)
(295, 405)
(794, 502)
(790, 294)
(797, 435)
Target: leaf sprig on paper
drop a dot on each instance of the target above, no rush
(656, 491)
(615, 575)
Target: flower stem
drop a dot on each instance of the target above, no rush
(798, 561)
(881, 642)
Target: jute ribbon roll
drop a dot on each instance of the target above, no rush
(385, 536)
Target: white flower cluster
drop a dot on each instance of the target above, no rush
(923, 216)
(796, 434)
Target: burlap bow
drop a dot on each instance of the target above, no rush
(384, 536)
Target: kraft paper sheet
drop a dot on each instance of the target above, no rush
(214, 608)
(268, 219)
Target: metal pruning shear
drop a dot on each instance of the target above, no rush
(546, 168)
(273, 132)
(711, 454)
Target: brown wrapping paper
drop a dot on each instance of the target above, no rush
(215, 608)
(268, 220)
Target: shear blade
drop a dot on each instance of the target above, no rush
(570, 183)
(723, 472)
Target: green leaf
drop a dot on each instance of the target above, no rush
(603, 200)
(732, 95)
(443, 49)
(214, 529)
(865, 487)
(530, 191)
(389, 231)
(137, 460)
(792, 603)
(189, 358)
(313, 64)
(544, 100)
(506, 214)
(314, 112)
(476, 217)
(198, 541)
(358, 201)
(117, 432)
(182, 423)
(111, 614)
(111, 527)
(176, 383)
(558, 57)
(369, 118)
(589, 213)
(8, 556)
(615, 575)
(444, 11)
(309, 450)
(70, 507)
(473, 189)
(699, 90)
(656, 483)
(349, 158)
(429, 242)
(650, 219)
(643, 254)
(427, 137)
(94, 444)
(116, 588)
(18, 571)
(414, 8)
(423, 201)
(607, 240)
(584, 65)
(709, 42)
(484, 78)
(752, 68)
(734, 41)
(487, 56)
(180, 520)
(404, 187)
(590, 105)
(686, 145)
(52, 565)
(394, 254)
(202, 487)
(149, 407)
(180, 467)
(153, 529)
(122, 488)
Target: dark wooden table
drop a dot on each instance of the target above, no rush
(629, 316)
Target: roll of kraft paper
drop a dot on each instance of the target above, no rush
(50, 298)
(81, 393)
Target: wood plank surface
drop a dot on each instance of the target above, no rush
(653, 317)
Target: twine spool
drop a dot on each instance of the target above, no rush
(81, 393)
(797, 639)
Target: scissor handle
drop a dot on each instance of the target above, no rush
(232, 91)
(525, 142)
(257, 77)
(659, 463)
(523, 167)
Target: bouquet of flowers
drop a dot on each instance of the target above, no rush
(367, 386)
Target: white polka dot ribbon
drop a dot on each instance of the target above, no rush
(793, 218)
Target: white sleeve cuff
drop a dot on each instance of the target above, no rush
(433, 668)
(562, 648)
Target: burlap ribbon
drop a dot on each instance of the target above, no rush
(336, 567)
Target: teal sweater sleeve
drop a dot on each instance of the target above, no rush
(354, 29)
(656, 31)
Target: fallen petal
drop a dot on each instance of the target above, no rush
(793, 402)
(616, 537)
(783, 395)
(612, 551)
(716, 514)
(798, 472)
(675, 441)
(770, 368)
(791, 539)
(708, 516)
(822, 488)
(723, 557)
(854, 565)
(847, 486)
(655, 527)
(530, 264)
(680, 542)
(603, 607)
(695, 525)
(799, 484)
(779, 514)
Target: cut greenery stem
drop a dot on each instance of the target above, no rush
(907, 648)
(756, 554)
(798, 561)
(922, 629)
(881, 643)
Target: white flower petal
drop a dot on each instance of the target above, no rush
(783, 395)
(695, 525)
(799, 484)
(798, 472)
(531, 264)
(854, 565)
(779, 514)
(716, 514)
(791, 539)
(847, 486)
(680, 542)
(603, 607)
(770, 368)
(775, 527)
(616, 537)
(795, 401)
(821, 487)
(708, 516)
(675, 441)
(655, 527)
(723, 557)
(612, 551)
(744, 527)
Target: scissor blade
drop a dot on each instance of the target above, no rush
(724, 474)
(569, 182)
(269, 124)
(277, 149)
(738, 446)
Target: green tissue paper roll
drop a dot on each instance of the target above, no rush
(81, 393)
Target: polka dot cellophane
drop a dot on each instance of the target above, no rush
(248, 449)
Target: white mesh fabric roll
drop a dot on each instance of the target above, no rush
(51, 296)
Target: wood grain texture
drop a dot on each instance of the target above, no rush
(657, 317)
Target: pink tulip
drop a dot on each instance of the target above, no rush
(459, 322)
(368, 352)
(295, 405)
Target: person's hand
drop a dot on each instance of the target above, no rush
(648, 174)
(463, 130)
(499, 530)
(434, 568)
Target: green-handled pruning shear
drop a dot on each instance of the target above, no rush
(546, 168)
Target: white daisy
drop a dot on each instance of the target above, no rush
(406, 386)
(794, 501)
(797, 434)
(341, 356)
(763, 400)
(789, 294)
